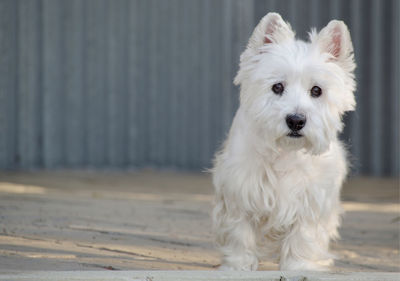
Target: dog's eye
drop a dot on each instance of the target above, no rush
(278, 88)
(316, 91)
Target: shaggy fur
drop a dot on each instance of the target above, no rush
(275, 193)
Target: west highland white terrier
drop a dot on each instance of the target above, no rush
(278, 176)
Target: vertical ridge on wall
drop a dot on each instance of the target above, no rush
(354, 127)
(173, 82)
(204, 84)
(29, 83)
(228, 42)
(214, 71)
(73, 84)
(53, 84)
(95, 82)
(186, 60)
(116, 90)
(243, 26)
(363, 84)
(135, 83)
(152, 105)
(376, 126)
(194, 83)
(9, 156)
(394, 58)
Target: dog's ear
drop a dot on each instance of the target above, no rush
(335, 40)
(271, 29)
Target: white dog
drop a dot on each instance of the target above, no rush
(279, 174)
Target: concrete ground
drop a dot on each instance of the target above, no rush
(83, 220)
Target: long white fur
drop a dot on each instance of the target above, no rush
(275, 194)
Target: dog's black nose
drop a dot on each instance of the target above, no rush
(295, 122)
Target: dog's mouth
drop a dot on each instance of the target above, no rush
(294, 134)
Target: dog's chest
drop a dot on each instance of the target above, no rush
(295, 188)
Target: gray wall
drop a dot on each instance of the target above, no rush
(146, 82)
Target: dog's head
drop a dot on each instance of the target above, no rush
(296, 92)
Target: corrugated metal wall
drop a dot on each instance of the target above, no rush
(149, 82)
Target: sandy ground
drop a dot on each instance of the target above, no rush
(74, 220)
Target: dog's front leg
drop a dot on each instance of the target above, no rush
(305, 247)
(237, 243)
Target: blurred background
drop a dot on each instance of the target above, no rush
(148, 83)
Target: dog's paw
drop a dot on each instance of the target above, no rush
(225, 267)
(240, 263)
(303, 265)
